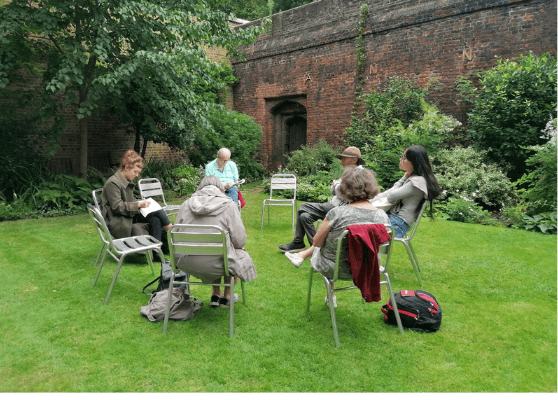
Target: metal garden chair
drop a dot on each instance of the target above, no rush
(151, 187)
(120, 248)
(200, 240)
(406, 240)
(281, 182)
(383, 256)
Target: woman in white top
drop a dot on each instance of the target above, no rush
(410, 192)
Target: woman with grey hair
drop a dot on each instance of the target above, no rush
(358, 186)
(210, 206)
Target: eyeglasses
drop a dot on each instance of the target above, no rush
(221, 161)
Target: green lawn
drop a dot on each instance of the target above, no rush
(496, 286)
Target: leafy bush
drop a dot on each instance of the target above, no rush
(544, 222)
(395, 117)
(162, 170)
(310, 160)
(187, 179)
(237, 132)
(465, 172)
(462, 209)
(511, 108)
(540, 195)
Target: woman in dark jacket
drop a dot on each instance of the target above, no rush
(122, 211)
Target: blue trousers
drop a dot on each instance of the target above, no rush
(399, 226)
(232, 192)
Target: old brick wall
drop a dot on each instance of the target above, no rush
(309, 56)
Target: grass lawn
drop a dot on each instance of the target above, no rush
(496, 286)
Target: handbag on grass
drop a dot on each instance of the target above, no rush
(183, 306)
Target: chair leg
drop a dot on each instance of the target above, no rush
(309, 289)
(414, 255)
(332, 310)
(293, 217)
(231, 309)
(149, 256)
(392, 298)
(167, 309)
(243, 292)
(99, 268)
(412, 259)
(100, 253)
(263, 212)
(114, 279)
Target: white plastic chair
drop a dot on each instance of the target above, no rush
(200, 240)
(383, 257)
(151, 187)
(281, 182)
(406, 240)
(120, 248)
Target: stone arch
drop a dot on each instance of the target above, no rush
(288, 129)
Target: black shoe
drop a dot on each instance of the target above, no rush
(156, 257)
(292, 247)
(215, 300)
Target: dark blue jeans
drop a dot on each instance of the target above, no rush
(399, 226)
(232, 192)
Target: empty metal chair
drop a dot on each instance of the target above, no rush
(383, 257)
(96, 194)
(281, 182)
(151, 187)
(120, 248)
(406, 240)
(200, 240)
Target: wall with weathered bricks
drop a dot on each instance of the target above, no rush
(310, 55)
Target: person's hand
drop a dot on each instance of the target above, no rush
(407, 174)
(143, 204)
(228, 185)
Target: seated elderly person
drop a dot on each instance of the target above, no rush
(358, 185)
(226, 170)
(210, 206)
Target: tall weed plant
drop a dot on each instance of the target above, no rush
(395, 117)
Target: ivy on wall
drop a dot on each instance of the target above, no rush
(360, 56)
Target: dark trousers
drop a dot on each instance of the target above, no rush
(157, 220)
(308, 213)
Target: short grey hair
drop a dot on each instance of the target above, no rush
(211, 181)
(223, 150)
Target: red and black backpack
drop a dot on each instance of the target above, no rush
(419, 310)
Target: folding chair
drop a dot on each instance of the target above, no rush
(200, 240)
(409, 246)
(120, 248)
(383, 257)
(96, 194)
(151, 187)
(281, 182)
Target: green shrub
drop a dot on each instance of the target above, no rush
(512, 106)
(544, 222)
(540, 194)
(162, 170)
(310, 160)
(394, 118)
(187, 179)
(465, 172)
(462, 209)
(235, 131)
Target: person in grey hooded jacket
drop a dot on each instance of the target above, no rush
(210, 206)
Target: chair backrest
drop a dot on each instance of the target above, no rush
(96, 194)
(198, 240)
(384, 251)
(283, 182)
(151, 187)
(414, 225)
(100, 224)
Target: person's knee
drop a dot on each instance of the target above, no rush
(306, 218)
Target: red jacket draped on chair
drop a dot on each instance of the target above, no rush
(364, 242)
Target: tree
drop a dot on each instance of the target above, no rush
(94, 47)
(512, 107)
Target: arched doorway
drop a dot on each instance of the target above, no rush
(288, 123)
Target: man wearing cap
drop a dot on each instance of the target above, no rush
(308, 213)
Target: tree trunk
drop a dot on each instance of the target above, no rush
(144, 148)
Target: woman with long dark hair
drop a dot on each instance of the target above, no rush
(410, 192)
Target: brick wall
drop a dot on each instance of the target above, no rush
(310, 55)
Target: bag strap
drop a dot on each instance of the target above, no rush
(158, 279)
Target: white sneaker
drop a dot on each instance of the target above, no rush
(334, 299)
(293, 258)
(235, 298)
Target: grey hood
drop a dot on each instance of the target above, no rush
(209, 201)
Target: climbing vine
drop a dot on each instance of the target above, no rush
(360, 55)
